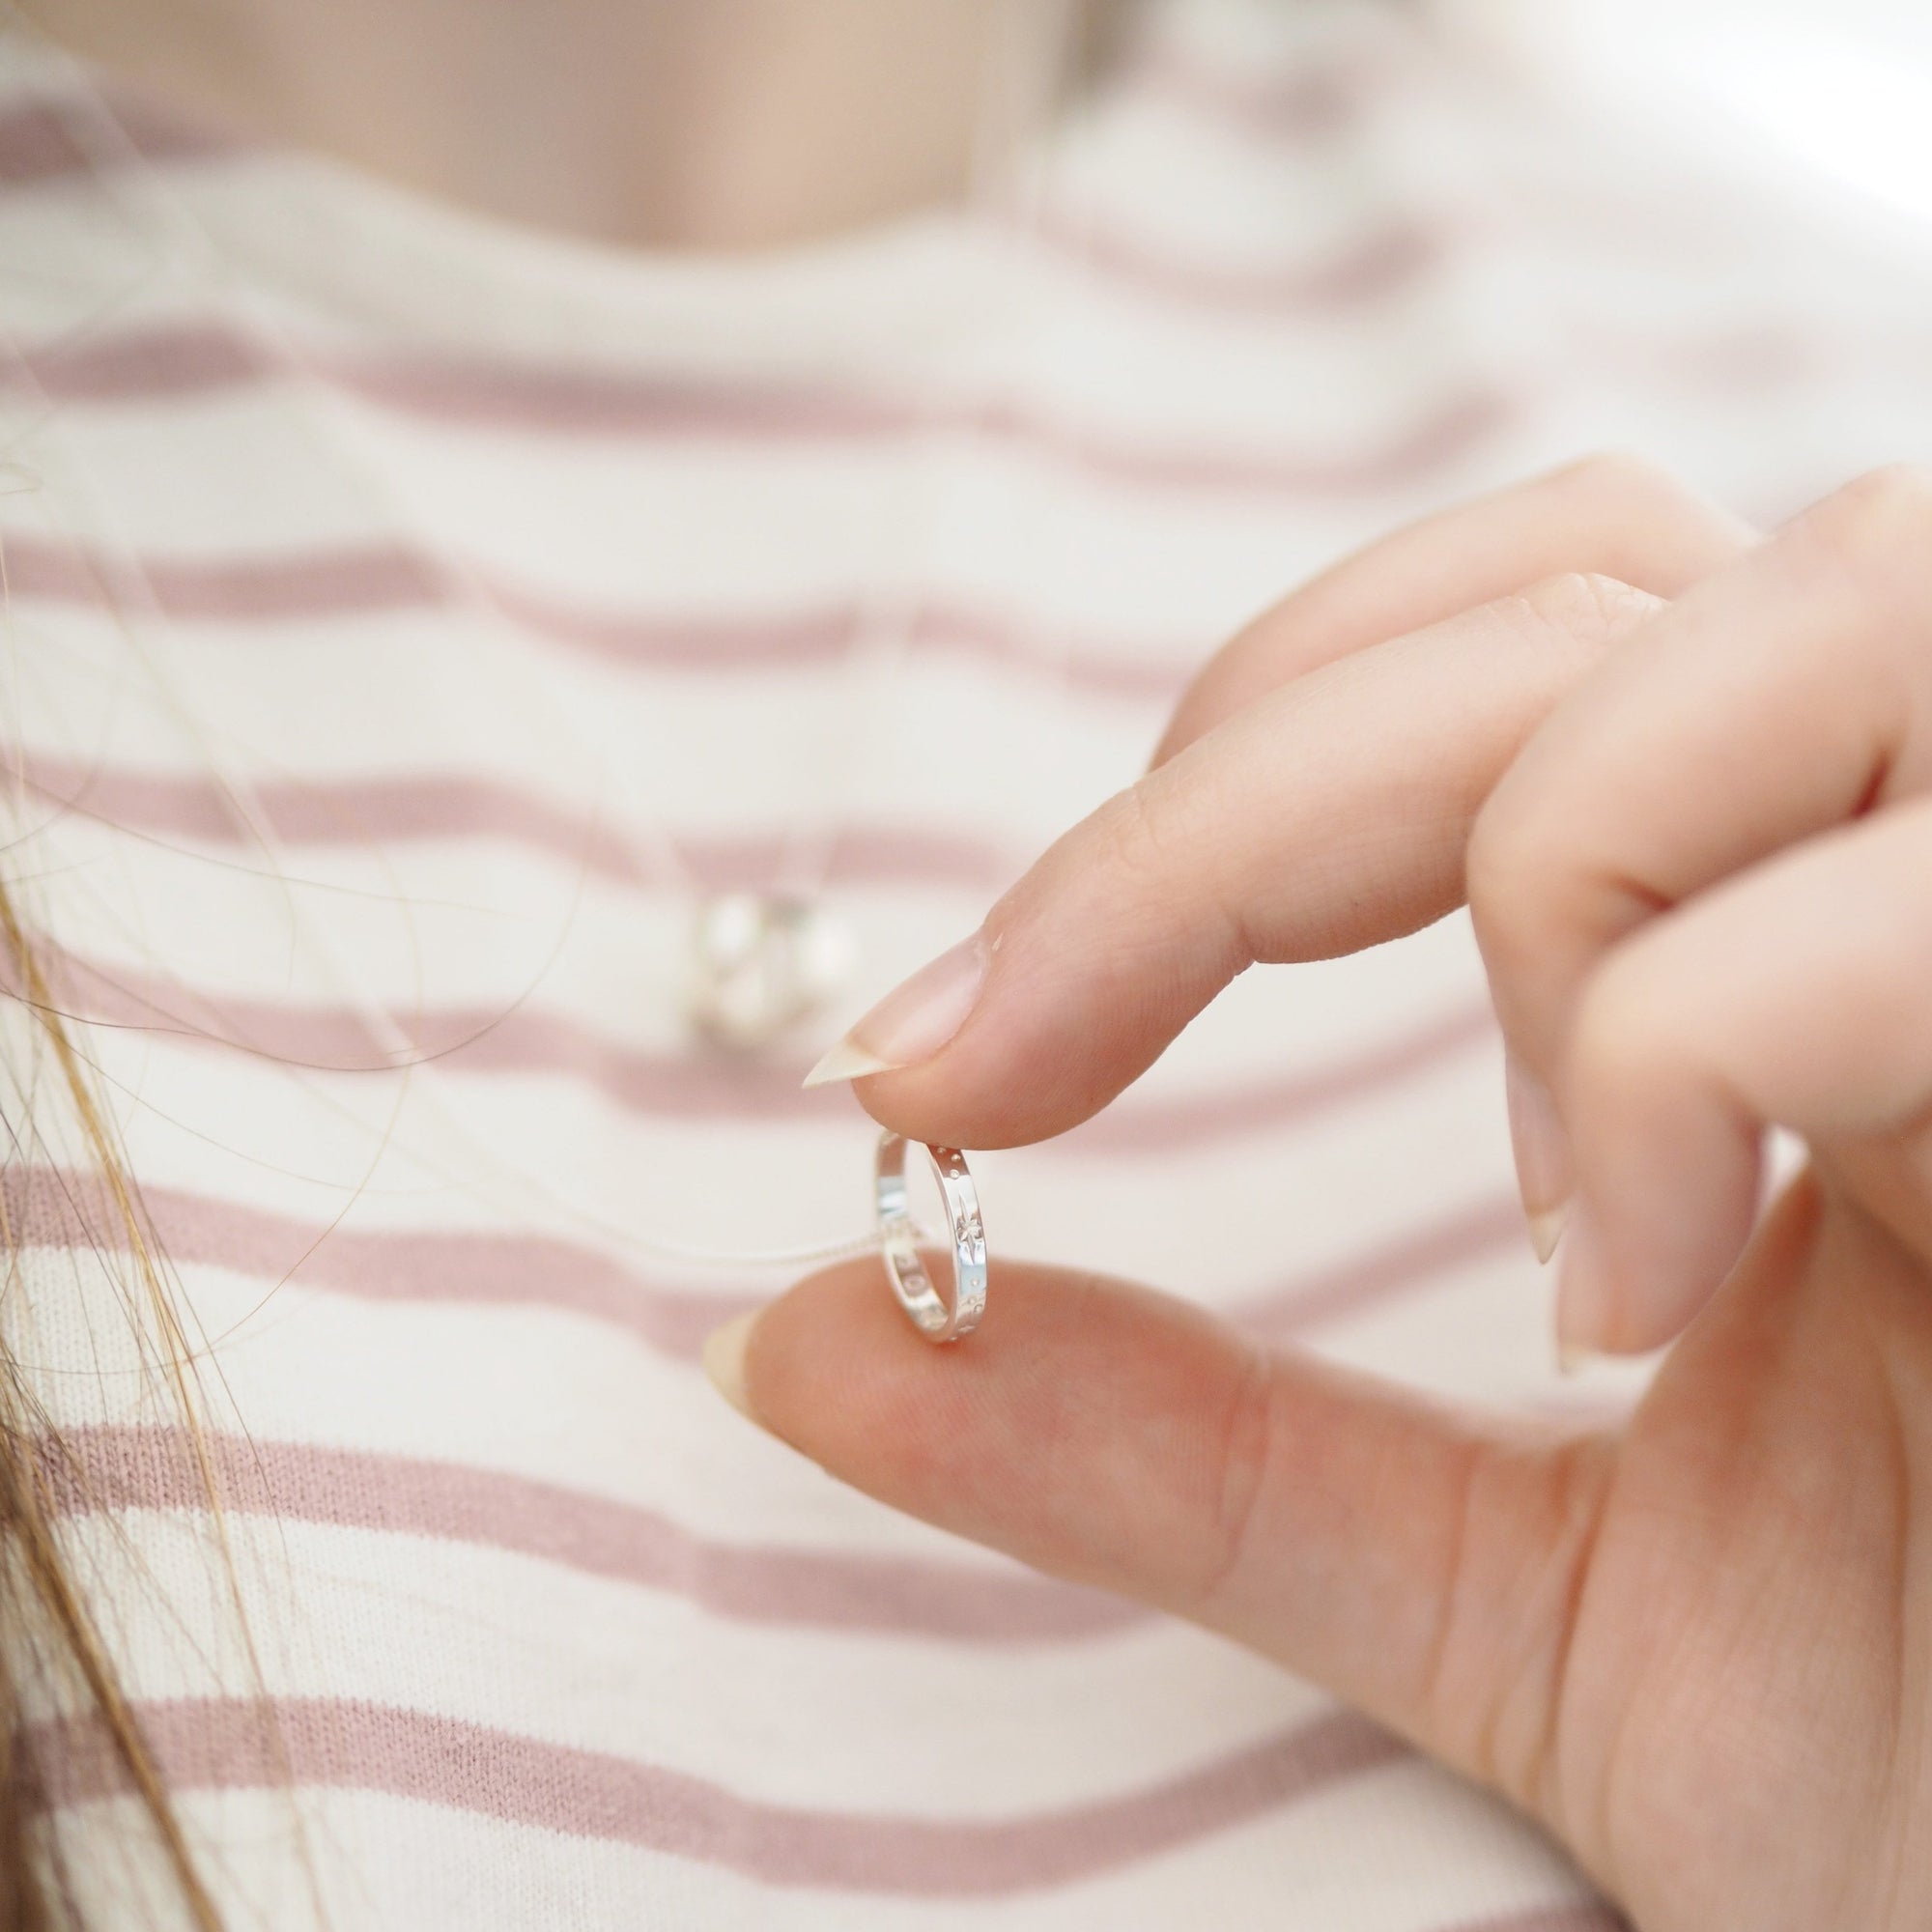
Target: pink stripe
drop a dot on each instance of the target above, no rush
(521, 1039)
(250, 589)
(362, 811)
(824, 637)
(312, 585)
(1299, 103)
(690, 643)
(229, 1744)
(1274, 1101)
(183, 360)
(52, 1209)
(318, 586)
(39, 141)
(1486, 1230)
(1373, 269)
(611, 403)
(155, 1469)
(147, 363)
(1751, 358)
(1448, 436)
(503, 394)
(509, 1039)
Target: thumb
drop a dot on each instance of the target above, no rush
(1417, 1565)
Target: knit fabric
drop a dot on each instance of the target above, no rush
(406, 616)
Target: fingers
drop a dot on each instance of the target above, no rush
(1384, 1547)
(1326, 817)
(1609, 516)
(1772, 701)
(1799, 993)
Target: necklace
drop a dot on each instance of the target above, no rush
(763, 964)
(762, 961)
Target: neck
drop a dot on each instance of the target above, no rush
(706, 123)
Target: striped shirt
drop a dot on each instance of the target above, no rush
(407, 614)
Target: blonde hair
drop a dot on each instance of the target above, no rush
(50, 1637)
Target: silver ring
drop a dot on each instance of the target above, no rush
(911, 1282)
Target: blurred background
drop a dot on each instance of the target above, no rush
(1839, 91)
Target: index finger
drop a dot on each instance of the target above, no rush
(1328, 817)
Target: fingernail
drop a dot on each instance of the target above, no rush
(1542, 1148)
(1545, 1230)
(914, 1020)
(724, 1358)
(1585, 1305)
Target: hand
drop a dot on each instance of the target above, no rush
(1685, 780)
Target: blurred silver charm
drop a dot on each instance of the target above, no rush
(760, 964)
(927, 1309)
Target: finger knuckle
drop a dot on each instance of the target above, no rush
(1877, 528)
(1155, 844)
(1507, 1725)
(1894, 497)
(1637, 520)
(1583, 605)
(1135, 833)
(1617, 476)
(1244, 1450)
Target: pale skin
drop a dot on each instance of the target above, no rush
(715, 125)
(1683, 777)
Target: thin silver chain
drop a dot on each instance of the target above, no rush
(884, 618)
